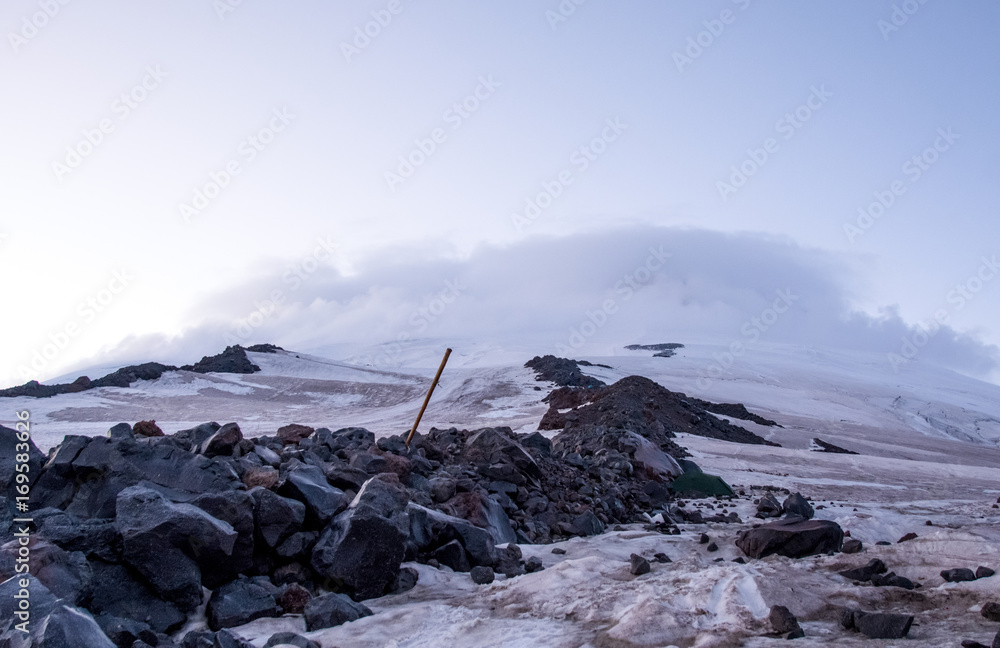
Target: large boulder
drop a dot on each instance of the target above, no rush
(332, 610)
(166, 541)
(66, 574)
(239, 602)
(792, 538)
(430, 530)
(119, 591)
(237, 509)
(71, 627)
(308, 485)
(276, 517)
(103, 469)
(491, 446)
(359, 552)
(15, 444)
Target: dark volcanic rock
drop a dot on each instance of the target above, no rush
(795, 504)
(823, 446)
(482, 575)
(782, 620)
(852, 545)
(452, 554)
(736, 411)
(118, 591)
(308, 485)
(958, 575)
(291, 639)
(276, 517)
(638, 565)
(9, 442)
(360, 551)
(563, 372)
(332, 610)
(639, 404)
(125, 632)
(792, 538)
(984, 572)
(864, 574)
(67, 575)
(237, 509)
(70, 627)
(223, 441)
(166, 542)
(233, 360)
(768, 507)
(878, 625)
(991, 611)
(239, 602)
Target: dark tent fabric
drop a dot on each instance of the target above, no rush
(701, 484)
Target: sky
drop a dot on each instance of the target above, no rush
(176, 177)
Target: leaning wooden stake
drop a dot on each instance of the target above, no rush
(437, 376)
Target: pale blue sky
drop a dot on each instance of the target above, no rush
(551, 87)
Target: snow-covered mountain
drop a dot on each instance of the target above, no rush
(928, 462)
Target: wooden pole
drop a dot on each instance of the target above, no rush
(437, 376)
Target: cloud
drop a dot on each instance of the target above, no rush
(585, 292)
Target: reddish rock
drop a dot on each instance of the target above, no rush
(293, 433)
(147, 429)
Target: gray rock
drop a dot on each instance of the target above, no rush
(9, 439)
(276, 517)
(290, 639)
(991, 611)
(239, 602)
(984, 572)
(222, 441)
(308, 485)
(796, 504)
(236, 508)
(638, 565)
(768, 507)
(782, 620)
(268, 456)
(228, 639)
(958, 575)
(166, 541)
(332, 610)
(125, 632)
(67, 575)
(587, 524)
(792, 538)
(879, 625)
(452, 554)
(118, 592)
(851, 546)
(864, 574)
(360, 550)
(533, 564)
(482, 575)
(70, 627)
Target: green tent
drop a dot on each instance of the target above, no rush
(699, 484)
